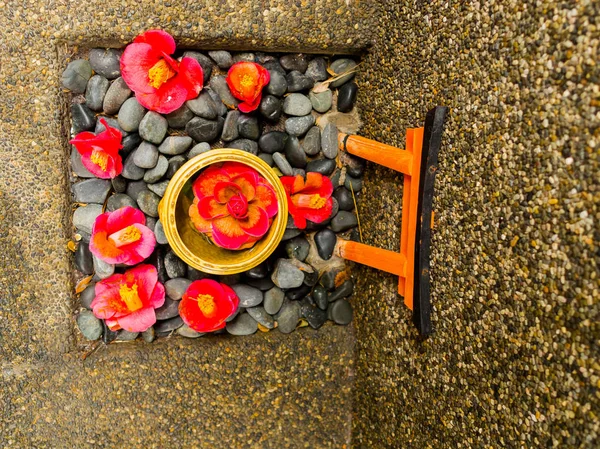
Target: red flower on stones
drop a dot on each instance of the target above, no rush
(246, 81)
(127, 301)
(160, 83)
(233, 205)
(310, 199)
(122, 237)
(206, 305)
(100, 152)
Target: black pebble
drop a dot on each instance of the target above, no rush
(270, 107)
(273, 142)
(347, 97)
(83, 259)
(258, 272)
(344, 198)
(83, 118)
(298, 293)
(343, 291)
(323, 166)
(325, 241)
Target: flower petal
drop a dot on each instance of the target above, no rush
(157, 298)
(209, 208)
(166, 99)
(317, 183)
(318, 215)
(249, 106)
(160, 40)
(257, 222)
(266, 198)
(235, 168)
(224, 190)
(205, 184)
(138, 321)
(123, 217)
(136, 62)
(191, 77)
(145, 277)
(200, 223)
(227, 233)
(243, 79)
(247, 183)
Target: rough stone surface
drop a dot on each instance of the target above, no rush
(115, 96)
(153, 127)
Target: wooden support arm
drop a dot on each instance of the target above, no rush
(380, 153)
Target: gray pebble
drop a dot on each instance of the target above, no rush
(153, 127)
(134, 189)
(91, 191)
(249, 296)
(188, 332)
(175, 267)
(173, 145)
(317, 69)
(247, 145)
(202, 130)
(323, 166)
(270, 108)
(288, 317)
(131, 114)
(297, 62)
(248, 127)
(127, 336)
(343, 221)
(112, 122)
(106, 62)
(77, 166)
(148, 203)
(298, 126)
(221, 108)
(131, 170)
(272, 142)
(219, 85)
(329, 141)
(87, 296)
(169, 309)
(312, 141)
(159, 233)
(204, 61)
(159, 188)
(267, 158)
(103, 269)
(176, 287)
(149, 335)
(356, 183)
(297, 104)
(261, 316)
(175, 163)
(83, 258)
(84, 217)
(146, 155)
(115, 96)
(95, 92)
(321, 101)
(222, 58)
(119, 184)
(341, 312)
(283, 165)
(169, 325)
(89, 325)
(179, 118)
(287, 275)
(76, 76)
(340, 66)
(294, 153)
(244, 324)
(297, 248)
(273, 300)
(245, 56)
(203, 106)
(154, 174)
(277, 84)
(230, 127)
(297, 82)
(119, 200)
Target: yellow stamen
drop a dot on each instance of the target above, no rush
(125, 236)
(130, 297)
(160, 73)
(207, 305)
(100, 158)
(247, 80)
(314, 201)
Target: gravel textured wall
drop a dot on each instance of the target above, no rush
(514, 362)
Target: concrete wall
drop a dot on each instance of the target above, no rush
(514, 361)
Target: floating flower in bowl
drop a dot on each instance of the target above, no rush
(233, 205)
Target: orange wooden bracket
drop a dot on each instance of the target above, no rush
(418, 163)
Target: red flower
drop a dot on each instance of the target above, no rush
(160, 83)
(246, 81)
(310, 199)
(100, 153)
(127, 301)
(122, 237)
(233, 205)
(206, 304)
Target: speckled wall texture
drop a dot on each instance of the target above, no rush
(514, 361)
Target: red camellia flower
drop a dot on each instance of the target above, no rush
(122, 237)
(127, 301)
(160, 83)
(246, 81)
(310, 199)
(100, 153)
(206, 305)
(233, 205)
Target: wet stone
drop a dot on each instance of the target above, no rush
(175, 288)
(248, 127)
(219, 85)
(297, 82)
(247, 145)
(258, 272)
(148, 203)
(347, 97)
(95, 92)
(169, 309)
(131, 114)
(294, 153)
(329, 141)
(89, 325)
(261, 316)
(91, 191)
(288, 317)
(319, 295)
(195, 275)
(153, 127)
(273, 142)
(283, 165)
(297, 105)
(112, 122)
(149, 335)
(270, 107)
(115, 96)
(102, 269)
(106, 62)
(158, 171)
(188, 332)
(130, 142)
(202, 130)
(230, 127)
(82, 118)
(327, 279)
(273, 65)
(159, 233)
(321, 101)
(76, 76)
(124, 335)
(174, 266)
(222, 58)
(204, 61)
(203, 106)
(341, 312)
(317, 69)
(130, 170)
(244, 56)
(146, 155)
(151, 222)
(119, 200)
(119, 184)
(84, 217)
(297, 248)
(343, 291)
(354, 184)
(244, 324)
(297, 62)
(343, 221)
(312, 141)
(344, 198)
(175, 163)
(159, 188)
(174, 145)
(267, 158)
(88, 295)
(169, 325)
(77, 166)
(286, 275)
(83, 259)
(340, 66)
(135, 188)
(221, 108)
(277, 84)
(290, 234)
(355, 166)
(298, 126)
(298, 293)
(249, 296)
(108, 336)
(197, 149)
(315, 316)
(311, 278)
(273, 299)
(263, 284)
(179, 118)
(323, 166)
(325, 241)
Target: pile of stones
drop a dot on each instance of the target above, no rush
(302, 283)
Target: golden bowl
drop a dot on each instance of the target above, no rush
(194, 248)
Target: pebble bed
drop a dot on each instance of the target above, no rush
(293, 130)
